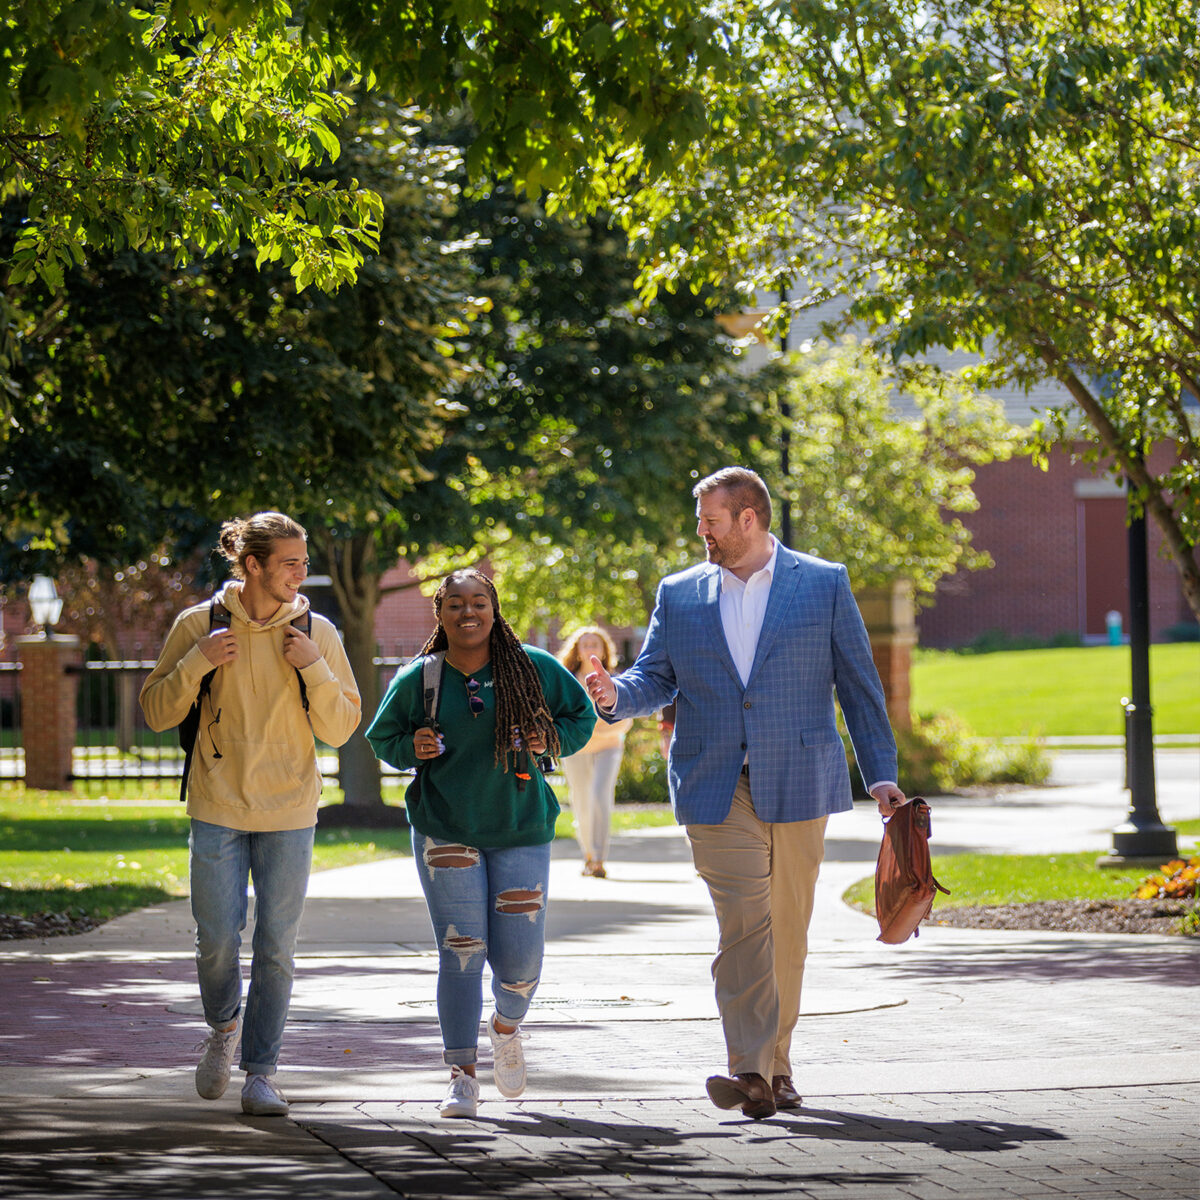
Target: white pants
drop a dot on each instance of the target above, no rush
(592, 782)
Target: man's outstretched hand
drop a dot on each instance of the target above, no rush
(600, 685)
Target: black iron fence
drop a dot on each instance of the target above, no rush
(113, 743)
(112, 740)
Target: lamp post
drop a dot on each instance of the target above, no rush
(1143, 836)
(45, 604)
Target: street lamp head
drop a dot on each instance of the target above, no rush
(45, 604)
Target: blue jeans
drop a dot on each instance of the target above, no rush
(486, 906)
(222, 862)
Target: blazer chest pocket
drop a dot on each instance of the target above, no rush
(686, 747)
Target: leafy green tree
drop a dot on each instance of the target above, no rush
(601, 410)
(577, 97)
(464, 396)
(873, 488)
(1018, 181)
(584, 417)
(221, 385)
(149, 128)
(224, 388)
(189, 125)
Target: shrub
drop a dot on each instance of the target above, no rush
(993, 640)
(1184, 631)
(940, 753)
(644, 782)
(1024, 761)
(643, 775)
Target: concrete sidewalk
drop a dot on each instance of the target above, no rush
(965, 1063)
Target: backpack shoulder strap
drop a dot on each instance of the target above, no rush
(219, 617)
(431, 679)
(303, 623)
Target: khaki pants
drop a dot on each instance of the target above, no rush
(762, 878)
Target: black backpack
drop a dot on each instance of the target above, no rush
(219, 618)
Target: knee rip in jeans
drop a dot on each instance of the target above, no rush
(450, 856)
(523, 988)
(463, 946)
(521, 901)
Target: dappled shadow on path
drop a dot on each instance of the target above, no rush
(697, 1155)
(1046, 960)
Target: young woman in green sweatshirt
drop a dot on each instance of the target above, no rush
(482, 816)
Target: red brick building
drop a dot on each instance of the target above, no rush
(1059, 541)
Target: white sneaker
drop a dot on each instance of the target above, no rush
(508, 1059)
(462, 1099)
(212, 1071)
(261, 1098)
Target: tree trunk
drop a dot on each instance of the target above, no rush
(125, 724)
(354, 570)
(127, 710)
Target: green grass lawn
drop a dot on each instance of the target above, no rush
(625, 818)
(104, 856)
(1075, 691)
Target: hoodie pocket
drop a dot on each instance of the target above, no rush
(258, 775)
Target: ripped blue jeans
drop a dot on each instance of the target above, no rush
(486, 906)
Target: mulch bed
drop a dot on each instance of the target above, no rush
(1063, 916)
(43, 925)
(1073, 916)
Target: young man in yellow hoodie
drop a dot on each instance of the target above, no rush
(254, 785)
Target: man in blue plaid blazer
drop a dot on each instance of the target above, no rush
(753, 646)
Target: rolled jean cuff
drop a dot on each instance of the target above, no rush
(461, 1058)
(513, 1018)
(257, 1068)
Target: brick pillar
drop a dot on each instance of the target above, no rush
(48, 709)
(890, 616)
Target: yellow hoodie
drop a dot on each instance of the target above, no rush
(255, 763)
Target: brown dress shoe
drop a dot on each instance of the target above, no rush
(748, 1091)
(786, 1095)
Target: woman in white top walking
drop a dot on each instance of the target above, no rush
(591, 773)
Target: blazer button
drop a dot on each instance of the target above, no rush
(747, 704)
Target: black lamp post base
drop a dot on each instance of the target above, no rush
(1137, 846)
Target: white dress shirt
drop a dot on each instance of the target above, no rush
(743, 606)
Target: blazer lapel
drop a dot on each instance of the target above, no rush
(783, 588)
(710, 598)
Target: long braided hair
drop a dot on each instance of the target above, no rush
(520, 702)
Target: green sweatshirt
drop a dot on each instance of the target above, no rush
(462, 796)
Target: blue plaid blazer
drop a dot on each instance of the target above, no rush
(813, 645)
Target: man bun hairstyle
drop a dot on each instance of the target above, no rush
(744, 489)
(242, 537)
(520, 702)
